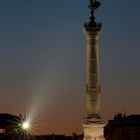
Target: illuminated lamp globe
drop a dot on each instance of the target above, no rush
(25, 125)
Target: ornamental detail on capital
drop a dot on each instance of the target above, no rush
(91, 34)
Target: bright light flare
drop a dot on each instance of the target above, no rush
(25, 125)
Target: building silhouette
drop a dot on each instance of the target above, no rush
(10, 127)
(57, 137)
(123, 128)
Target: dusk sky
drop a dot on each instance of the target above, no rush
(43, 61)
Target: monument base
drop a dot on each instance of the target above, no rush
(94, 130)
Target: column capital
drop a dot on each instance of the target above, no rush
(92, 32)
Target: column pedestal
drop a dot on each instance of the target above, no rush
(94, 130)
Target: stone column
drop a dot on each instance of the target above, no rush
(92, 73)
(93, 124)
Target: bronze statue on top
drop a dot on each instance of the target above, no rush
(93, 5)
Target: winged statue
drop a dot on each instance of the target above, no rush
(94, 4)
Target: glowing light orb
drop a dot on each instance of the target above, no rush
(25, 125)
